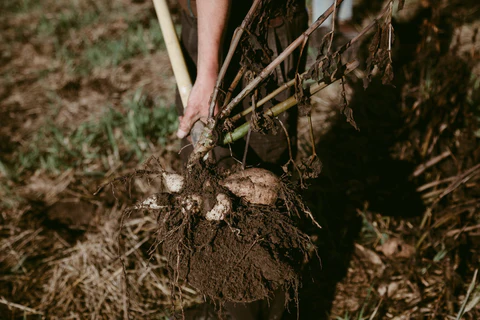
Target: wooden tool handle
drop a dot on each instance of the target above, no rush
(175, 54)
(177, 60)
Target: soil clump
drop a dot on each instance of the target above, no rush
(253, 251)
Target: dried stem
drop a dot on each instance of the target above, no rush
(424, 166)
(234, 85)
(333, 27)
(207, 142)
(283, 106)
(260, 103)
(290, 154)
(244, 160)
(364, 30)
(390, 8)
(463, 178)
(127, 178)
(291, 83)
(19, 306)
(281, 57)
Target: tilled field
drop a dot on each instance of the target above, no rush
(87, 94)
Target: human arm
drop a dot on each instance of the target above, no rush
(212, 19)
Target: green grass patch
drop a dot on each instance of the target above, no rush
(61, 23)
(18, 6)
(137, 129)
(136, 40)
(10, 199)
(104, 53)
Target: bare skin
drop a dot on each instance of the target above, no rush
(212, 17)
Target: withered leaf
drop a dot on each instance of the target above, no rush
(311, 167)
(384, 38)
(375, 40)
(348, 112)
(256, 122)
(326, 69)
(392, 40)
(388, 75)
(228, 125)
(315, 71)
(303, 100)
(270, 124)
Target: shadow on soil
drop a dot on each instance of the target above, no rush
(358, 168)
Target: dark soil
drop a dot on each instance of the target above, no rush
(254, 251)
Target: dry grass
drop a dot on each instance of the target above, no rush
(86, 279)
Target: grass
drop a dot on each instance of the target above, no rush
(73, 39)
(10, 199)
(18, 6)
(61, 23)
(468, 304)
(140, 126)
(104, 53)
(146, 124)
(137, 40)
(371, 232)
(71, 30)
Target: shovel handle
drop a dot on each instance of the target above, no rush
(180, 71)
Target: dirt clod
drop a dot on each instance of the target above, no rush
(255, 250)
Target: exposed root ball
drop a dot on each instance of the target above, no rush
(218, 238)
(241, 260)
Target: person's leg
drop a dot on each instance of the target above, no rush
(272, 149)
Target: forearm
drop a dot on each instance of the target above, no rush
(212, 19)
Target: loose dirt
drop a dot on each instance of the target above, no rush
(254, 251)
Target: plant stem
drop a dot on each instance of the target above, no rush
(281, 57)
(283, 106)
(290, 83)
(332, 32)
(234, 84)
(260, 103)
(244, 159)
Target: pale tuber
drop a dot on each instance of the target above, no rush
(220, 209)
(254, 185)
(173, 182)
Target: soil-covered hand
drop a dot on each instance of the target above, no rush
(198, 104)
(210, 32)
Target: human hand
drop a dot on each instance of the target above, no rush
(197, 106)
